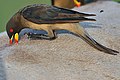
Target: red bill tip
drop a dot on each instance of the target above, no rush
(10, 42)
(78, 5)
(16, 41)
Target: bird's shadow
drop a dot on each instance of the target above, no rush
(83, 24)
(90, 25)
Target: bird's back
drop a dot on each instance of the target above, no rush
(45, 14)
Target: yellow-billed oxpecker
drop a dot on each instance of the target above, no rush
(49, 19)
(67, 3)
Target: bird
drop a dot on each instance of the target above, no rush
(51, 18)
(67, 3)
(70, 3)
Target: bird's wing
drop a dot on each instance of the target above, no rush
(42, 13)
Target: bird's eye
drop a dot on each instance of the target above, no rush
(11, 30)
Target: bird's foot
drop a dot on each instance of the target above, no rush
(52, 38)
(34, 36)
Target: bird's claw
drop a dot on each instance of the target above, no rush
(34, 36)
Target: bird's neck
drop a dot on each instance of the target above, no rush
(16, 19)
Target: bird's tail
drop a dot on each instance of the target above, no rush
(86, 19)
(85, 36)
(85, 14)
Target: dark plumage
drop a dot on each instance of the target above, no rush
(51, 18)
(44, 14)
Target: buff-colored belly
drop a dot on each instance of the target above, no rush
(57, 26)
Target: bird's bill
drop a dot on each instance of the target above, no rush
(11, 40)
(14, 38)
(77, 3)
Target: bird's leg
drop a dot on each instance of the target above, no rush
(36, 36)
(55, 34)
(51, 34)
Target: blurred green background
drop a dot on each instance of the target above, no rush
(10, 7)
(117, 0)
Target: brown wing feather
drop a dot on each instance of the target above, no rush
(44, 14)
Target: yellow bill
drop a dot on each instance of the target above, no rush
(11, 40)
(77, 3)
(16, 37)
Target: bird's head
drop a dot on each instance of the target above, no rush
(13, 29)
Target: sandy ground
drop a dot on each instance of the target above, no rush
(68, 57)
